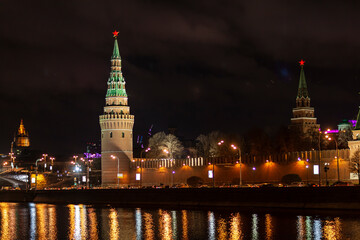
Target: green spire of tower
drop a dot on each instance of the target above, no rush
(116, 82)
(302, 90)
(116, 53)
(357, 126)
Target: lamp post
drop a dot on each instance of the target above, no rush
(44, 157)
(141, 167)
(319, 157)
(52, 163)
(36, 170)
(76, 175)
(12, 157)
(337, 156)
(240, 179)
(118, 169)
(326, 168)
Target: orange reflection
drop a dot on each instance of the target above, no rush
(165, 225)
(42, 221)
(7, 221)
(222, 229)
(184, 225)
(71, 221)
(332, 229)
(93, 224)
(52, 223)
(149, 226)
(268, 226)
(235, 227)
(83, 222)
(114, 224)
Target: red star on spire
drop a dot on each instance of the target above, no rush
(302, 62)
(115, 33)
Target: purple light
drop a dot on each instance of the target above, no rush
(333, 131)
(353, 122)
(91, 155)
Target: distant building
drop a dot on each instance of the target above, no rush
(303, 121)
(345, 125)
(116, 125)
(21, 140)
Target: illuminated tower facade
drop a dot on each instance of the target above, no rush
(303, 121)
(21, 140)
(116, 125)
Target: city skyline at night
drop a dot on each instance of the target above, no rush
(192, 66)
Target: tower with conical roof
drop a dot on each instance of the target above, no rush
(116, 125)
(303, 120)
(21, 140)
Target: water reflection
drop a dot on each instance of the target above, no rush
(255, 233)
(184, 225)
(149, 226)
(7, 221)
(114, 224)
(211, 228)
(45, 221)
(165, 226)
(268, 227)
(235, 227)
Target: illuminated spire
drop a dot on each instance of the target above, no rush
(302, 90)
(116, 82)
(21, 130)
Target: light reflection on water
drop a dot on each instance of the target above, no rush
(46, 221)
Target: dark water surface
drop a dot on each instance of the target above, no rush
(47, 221)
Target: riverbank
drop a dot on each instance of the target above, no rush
(302, 198)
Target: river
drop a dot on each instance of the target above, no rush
(48, 221)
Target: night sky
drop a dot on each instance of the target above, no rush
(194, 65)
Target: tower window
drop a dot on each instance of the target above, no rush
(110, 134)
(123, 135)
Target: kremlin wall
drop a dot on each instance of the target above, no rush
(120, 168)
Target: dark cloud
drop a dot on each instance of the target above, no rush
(197, 65)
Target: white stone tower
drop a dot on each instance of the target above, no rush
(116, 127)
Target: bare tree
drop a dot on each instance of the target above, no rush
(344, 137)
(154, 144)
(172, 145)
(207, 145)
(160, 142)
(355, 163)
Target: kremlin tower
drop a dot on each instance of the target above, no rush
(116, 125)
(303, 121)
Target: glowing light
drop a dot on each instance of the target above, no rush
(137, 177)
(210, 174)
(316, 169)
(115, 34)
(302, 62)
(254, 168)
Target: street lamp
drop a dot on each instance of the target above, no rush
(52, 163)
(44, 157)
(337, 156)
(326, 168)
(36, 170)
(118, 169)
(240, 179)
(12, 157)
